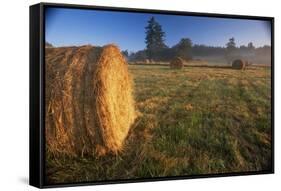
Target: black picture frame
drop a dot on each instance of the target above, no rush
(37, 91)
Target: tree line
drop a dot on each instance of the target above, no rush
(157, 50)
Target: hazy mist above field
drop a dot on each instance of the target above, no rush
(66, 27)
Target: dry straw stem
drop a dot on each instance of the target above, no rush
(176, 63)
(89, 100)
(239, 64)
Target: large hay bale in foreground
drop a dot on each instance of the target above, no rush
(89, 101)
(238, 64)
(176, 63)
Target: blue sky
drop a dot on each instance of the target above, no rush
(66, 27)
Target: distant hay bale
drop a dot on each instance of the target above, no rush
(176, 63)
(146, 61)
(151, 61)
(89, 100)
(238, 64)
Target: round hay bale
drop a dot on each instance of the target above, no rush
(176, 63)
(146, 61)
(90, 102)
(238, 64)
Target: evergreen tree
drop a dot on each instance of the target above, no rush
(154, 38)
(184, 48)
(231, 45)
(230, 50)
(125, 53)
(251, 47)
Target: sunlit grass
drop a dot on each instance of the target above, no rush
(191, 121)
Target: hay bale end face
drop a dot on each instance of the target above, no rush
(177, 63)
(89, 100)
(239, 64)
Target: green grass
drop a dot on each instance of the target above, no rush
(192, 121)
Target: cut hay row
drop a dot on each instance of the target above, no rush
(89, 101)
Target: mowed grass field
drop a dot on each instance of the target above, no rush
(191, 121)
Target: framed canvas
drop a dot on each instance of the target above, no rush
(129, 95)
